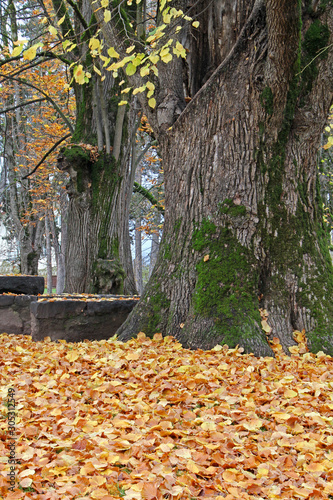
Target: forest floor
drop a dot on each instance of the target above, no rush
(148, 419)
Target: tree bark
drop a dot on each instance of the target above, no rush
(61, 269)
(138, 240)
(243, 223)
(155, 244)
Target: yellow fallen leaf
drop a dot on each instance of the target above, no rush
(265, 326)
(166, 447)
(132, 356)
(26, 482)
(314, 467)
(113, 459)
(289, 393)
(262, 472)
(208, 426)
(253, 424)
(89, 426)
(56, 412)
(121, 424)
(281, 416)
(191, 466)
(87, 469)
(27, 472)
(97, 481)
(183, 453)
(72, 356)
(294, 349)
(99, 493)
(230, 475)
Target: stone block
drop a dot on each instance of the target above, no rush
(6, 300)
(15, 315)
(75, 320)
(10, 322)
(28, 285)
(57, 309)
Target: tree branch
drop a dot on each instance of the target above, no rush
(45, 55)
(46, 155)
(47, 97)
(137, 188)
(79, 15)
(144, 151)
(2, 111)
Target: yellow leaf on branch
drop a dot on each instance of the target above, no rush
(107, 17)
(30, 53)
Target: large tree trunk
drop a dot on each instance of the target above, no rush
(97, 244)
(243, 224)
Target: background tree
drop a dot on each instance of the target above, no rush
(98, 251)
(30, 124)
(147, 204)
(98, 255)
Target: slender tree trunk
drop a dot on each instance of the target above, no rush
(30, 239)
(61, 270)
(138, 256)
(48, 254)
(59, 254)
(243, 224)
(155, 244)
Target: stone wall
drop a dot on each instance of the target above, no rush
(75, 320)
(64, 317)
(28, 285)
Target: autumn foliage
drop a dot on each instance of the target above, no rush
(40, 128)
(151, 420)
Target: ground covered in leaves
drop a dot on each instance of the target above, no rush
(151, 420)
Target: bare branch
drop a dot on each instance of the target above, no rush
(47, 97)
(2, 111)
(79, 15)
(46, 155)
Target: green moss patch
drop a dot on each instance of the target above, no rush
(228, 207)
(227, 284)
(316, 40)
